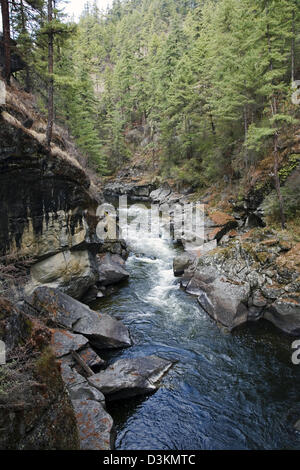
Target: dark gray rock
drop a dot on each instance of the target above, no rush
(223, 299)
(130, 377)
(94, 424)
(285, 314)
(182, 262)
(90, 357)
(111, 269)
(77, 385)
(84, 391)
(60, 310)
(63, 342)
(70, 377)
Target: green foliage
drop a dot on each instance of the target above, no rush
(291, 198)
(286, 170)
(201, 74)
(212, 79)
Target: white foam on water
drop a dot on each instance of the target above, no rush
(162, 293)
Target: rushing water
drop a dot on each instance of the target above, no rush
(227, 391)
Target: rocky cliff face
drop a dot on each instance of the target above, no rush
(35, 410)
(47, 211)
(47, 218)
(48, 227)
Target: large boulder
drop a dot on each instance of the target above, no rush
(159, 195)
(72, 272)
(130, 377)
(223, 299)
(60, 310)
(182, 262)
(285, 314)
(95, 425)
(111, 269)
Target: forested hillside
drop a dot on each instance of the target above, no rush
(203, 87)
(210, 79)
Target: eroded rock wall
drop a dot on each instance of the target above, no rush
(47, 211)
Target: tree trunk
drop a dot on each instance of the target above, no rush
(27, 74)
(245, 138)
(293, 49)
(213, 127)
(6, 38)
(277, 181)
(274, 112)
(50, 72)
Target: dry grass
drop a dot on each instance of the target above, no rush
(21, 107)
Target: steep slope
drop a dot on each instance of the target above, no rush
(47, 213)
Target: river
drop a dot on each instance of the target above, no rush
(235, 390)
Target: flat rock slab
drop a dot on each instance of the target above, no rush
(63, 342)
(78, 387)
(130, 377)
(70, 376)
(94, 425)
(60, 310)
(85, 391)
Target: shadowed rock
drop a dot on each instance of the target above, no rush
(77, 385)
(85, 391)
(60, 310)
(131, 377)
(111, 269)
(223, 299)
(285, 314)
(182, 262)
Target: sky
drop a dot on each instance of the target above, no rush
(75, 7)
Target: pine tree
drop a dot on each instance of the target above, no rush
(6, 39)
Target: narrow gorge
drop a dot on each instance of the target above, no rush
(149, 226)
